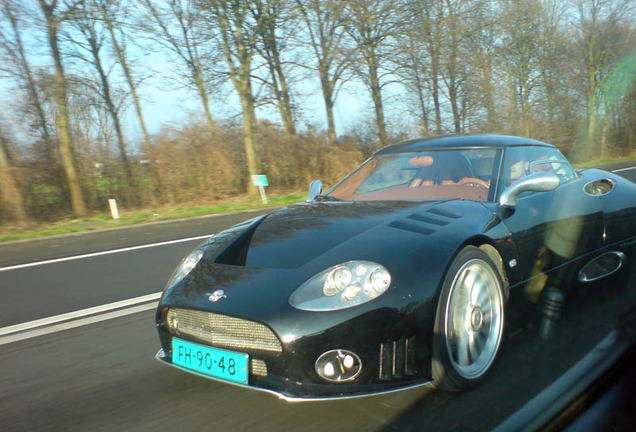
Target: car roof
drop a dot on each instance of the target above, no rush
(460, 141)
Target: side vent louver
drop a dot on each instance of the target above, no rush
(397, 359)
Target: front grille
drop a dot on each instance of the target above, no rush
(222, 331)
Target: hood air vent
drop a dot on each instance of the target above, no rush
(426, 224)
(236, 253)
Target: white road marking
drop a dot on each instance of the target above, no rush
(624, 169)
(96, 254)
(16, 337)
(78, 318)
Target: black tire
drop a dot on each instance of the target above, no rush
(469, 323)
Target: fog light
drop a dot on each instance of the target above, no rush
(338, 366)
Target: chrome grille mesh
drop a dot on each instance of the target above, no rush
(222, 331)
(259, 367)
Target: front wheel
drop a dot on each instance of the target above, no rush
(469, 322)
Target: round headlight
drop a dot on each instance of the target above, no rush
(341, 277)
(330, 288)
(361, 270)
(351, 292)
(342, 286)
(378, 282)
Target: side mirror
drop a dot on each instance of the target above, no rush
(315, 189)
(537, 182)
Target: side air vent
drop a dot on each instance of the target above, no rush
(599, 187)
(602, 266)
(397, 359)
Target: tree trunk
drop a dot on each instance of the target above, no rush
(249, 131)
(525, 93)
(435, 83)
(327, 94)
(32, 91)
(279, 84)
(591, 106)
(422, 101)
(110, 107)
(489, 100)
(9, 191)
(452, 95)
(433, 46)
(61, 119)
(198, 81)
(376, 95)
(123, 61)
(285, 109)
(121, 57)
(452, 71)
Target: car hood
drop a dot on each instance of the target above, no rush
(295, 235)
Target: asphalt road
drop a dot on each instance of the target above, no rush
(103, 376)
(54, 288)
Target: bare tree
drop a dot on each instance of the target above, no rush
(324, 24)
(596, 21)
(480, 51)
(461, 22)
(275, 18)
(176, 25)
(520, 51)
(238, 32)
(90, 49)
(54, 16)
(17, 65)
(427, 33)
(373, 25)
(414, 75)
(110, 13)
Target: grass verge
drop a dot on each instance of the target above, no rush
(601, 162)
(127, 218)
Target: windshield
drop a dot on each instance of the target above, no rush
(436, 174)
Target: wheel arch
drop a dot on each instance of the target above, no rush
(487, 246)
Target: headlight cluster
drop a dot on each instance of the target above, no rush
(342, 286)
(185, 267)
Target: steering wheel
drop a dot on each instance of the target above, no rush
(473, 181)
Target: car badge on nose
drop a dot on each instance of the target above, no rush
(216, 296)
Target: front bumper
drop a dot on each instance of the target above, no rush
(392, 357)
(304, 394)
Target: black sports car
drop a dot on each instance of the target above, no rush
(400, 275)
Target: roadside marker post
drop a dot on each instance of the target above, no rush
(260, 181)
(114, 211)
